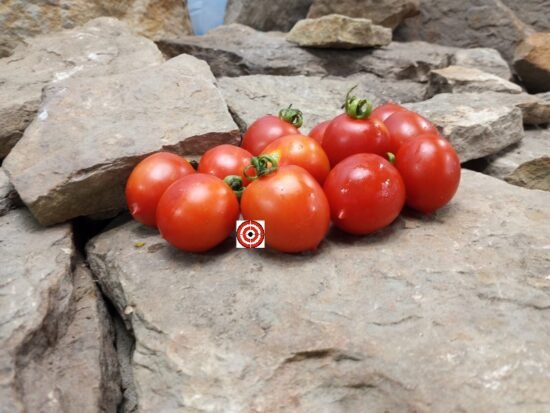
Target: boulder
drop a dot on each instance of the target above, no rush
(364, 324)
(532, 62)
(459, 79)
(534, 12)
(250, 97)
(154, 19)
(477, 127)
(108, 125)
(535, 108)
(101, 47)
(388, 13)
(237, 50)
(266, 15)
(56, 346)
(483, 58)
(475, 23)
(8, 197)
(337, 31)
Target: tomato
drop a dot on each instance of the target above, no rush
(225, 160)
(406, 125)
(318, 131)
(365, 192)
(301, 151)
(149, 180)
(384, 111)
(294, 207)
(266, 129)
(197, 212)
(430, 169)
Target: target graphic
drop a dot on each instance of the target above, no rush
(250, 234)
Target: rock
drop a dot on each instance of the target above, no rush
(339, 32)
(237, 50)
(56, 351)
(458, 79)
(109, 124)
(266, 15)
(155, 19)
(536, 110)
(483, 58)
(474, 124)
(388, 13)
(8, 197)
(349, 328)
(250, 97)
(102, 46)
(532, 62)
(475, 23)
(534, 12)
(526, 163)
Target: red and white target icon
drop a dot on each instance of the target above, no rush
(250, 234)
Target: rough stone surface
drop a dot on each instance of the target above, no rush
(155, 19)
(56, 350)
(8, 197)
(474, 23)
(102, 46)
(388, 13)
(337, 31)
(534, 174)
(485, 59)
(535, 108)
(266, 15)
(533, 12)
(532, 62)
(474, 125)
(353, 327)
(109, 124)
(459, 79)
(237, 50)
(250, 97)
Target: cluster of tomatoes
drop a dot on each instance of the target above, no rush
(358, 170)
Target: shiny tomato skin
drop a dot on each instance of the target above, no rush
(302, 151)
(318, 131)
(431, 171)
(406, 125)
(347, 136)
(385, 110)
(197, 212)
(148, 181)
(294, 207)
(265, 130)
(224, 160)
(365, 192)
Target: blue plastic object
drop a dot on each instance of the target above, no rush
(206, 14)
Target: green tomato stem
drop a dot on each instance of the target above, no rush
(357, 108)
(293, 116)
(391, 157)
(235, 182)
(263, 164)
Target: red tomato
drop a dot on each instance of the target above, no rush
(266, 129)
(149, 180)
(365, 192)
(294, 207)
(406, 125)
(318, 131)
(384, 111)
(301, 151)
(225, 160)
(430, 169)
(197, 212)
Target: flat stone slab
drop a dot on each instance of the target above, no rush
(485, 59)
(475, 124)
(108, 125)
(447, 313)
(101, 47)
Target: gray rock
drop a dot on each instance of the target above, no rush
(337, 31)
(237, 50)
(348, 329)
(266, 14)
(102, 46)
(250, 97)
(534, 12)
(109, 124)
(532, 62)
(483, 58)
(473, 123)
(475, 23)
(8, 197)
(533, 174)
(535, 109)
(388, 13)
(459, 79)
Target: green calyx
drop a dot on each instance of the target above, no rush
(293, 116)
(357, 108)
(263, 165)
(235, 182)
(391, 157)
